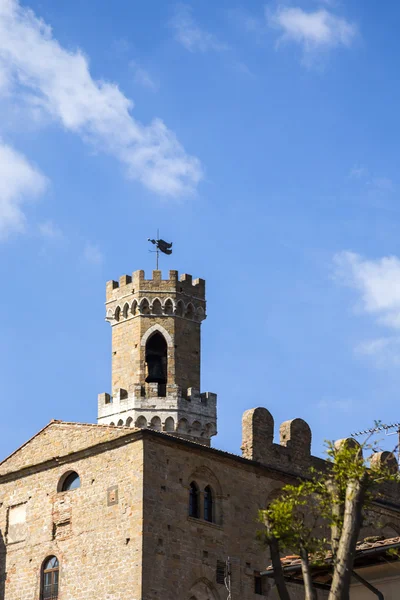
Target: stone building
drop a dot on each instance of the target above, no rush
(140, 506)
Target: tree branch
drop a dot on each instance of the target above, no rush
(355, 493)
(310, 591)
(337, 515)
(278, 570)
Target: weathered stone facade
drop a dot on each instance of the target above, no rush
(126, 532)
(157, 515)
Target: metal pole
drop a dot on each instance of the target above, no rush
(157, 253)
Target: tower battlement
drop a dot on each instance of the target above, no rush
(156, 355)
(138, 284)
(187, 413)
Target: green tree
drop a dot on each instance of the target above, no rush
(323, 515)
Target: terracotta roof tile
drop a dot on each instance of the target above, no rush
(366, 544)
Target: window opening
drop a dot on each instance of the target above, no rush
(71, 482)
(194, 500)
(258, 586)
(156, 359)
(50, 576)
(208, 505)
(220, 572)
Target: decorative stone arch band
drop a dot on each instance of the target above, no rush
(161, 330)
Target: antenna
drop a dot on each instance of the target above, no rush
(386, 429)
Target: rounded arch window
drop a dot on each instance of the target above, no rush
(69, 481)
(50, 578)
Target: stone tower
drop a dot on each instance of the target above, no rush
(156, 356)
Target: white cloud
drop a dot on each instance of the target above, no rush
(314, 31)
(384, 351)
(377, 281)
(92, 254)
(190, 35)
(58, 80)
(20, 182)
(378, 284)
(142, 77)
(50, 230)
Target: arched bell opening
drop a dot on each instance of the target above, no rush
(156, 359)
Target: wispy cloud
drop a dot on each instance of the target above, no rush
(191, 35)
(314, 31)
(378, 285)
(33, 63)
(92, 254)
(50, 230)
(345, 405)
(384, 351)
(142, 77)
(20, 182)
(358, 172)
(378, 184)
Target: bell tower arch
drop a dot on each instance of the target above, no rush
(156, 355)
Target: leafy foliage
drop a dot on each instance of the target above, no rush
(313, 517)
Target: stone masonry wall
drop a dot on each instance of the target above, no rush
(136, 304)
(95, 531)
(180, 553)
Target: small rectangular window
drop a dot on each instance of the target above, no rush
(258, 585)
(220, 572)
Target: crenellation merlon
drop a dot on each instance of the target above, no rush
(137, 283)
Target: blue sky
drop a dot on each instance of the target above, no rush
(262, 139)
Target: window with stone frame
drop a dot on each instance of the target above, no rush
(50, 579)
(208, 504)
(194, 497)
(69, 481)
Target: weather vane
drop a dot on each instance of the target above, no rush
(161, 245)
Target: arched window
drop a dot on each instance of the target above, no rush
(69, 481)
(141, 422)
(189, 311)
(208, 505)
(156, 307)
(168, 307)
(144, 307)
(155, 423)
(179, 308)
(50, 575)
(169, 424)
(194, 500)
(156, 359)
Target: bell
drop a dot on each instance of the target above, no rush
(155, 369)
